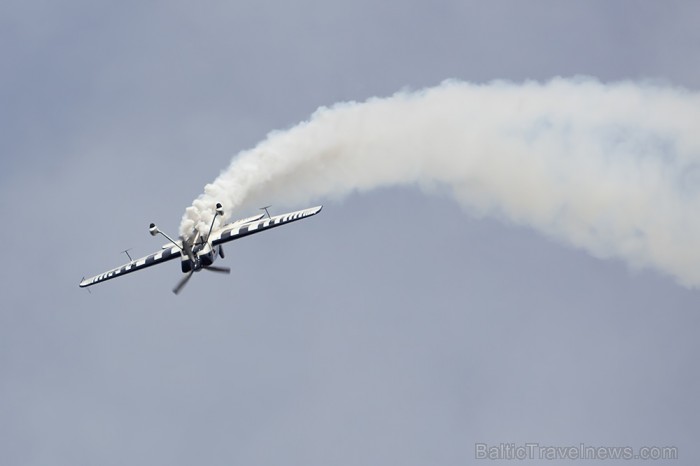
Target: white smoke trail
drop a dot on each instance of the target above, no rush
(611, 168)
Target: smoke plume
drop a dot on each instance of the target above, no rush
(610, 168)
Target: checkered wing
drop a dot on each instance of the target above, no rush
(163, 255)
(232, 232)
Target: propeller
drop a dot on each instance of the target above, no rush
(183, 282)
(212, 268)
(187, 249)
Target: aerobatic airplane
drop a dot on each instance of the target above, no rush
(199, 252)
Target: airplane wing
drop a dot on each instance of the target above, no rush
(235, 231)
(163, 255)
(229, 232)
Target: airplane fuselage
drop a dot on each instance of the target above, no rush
(205, 256)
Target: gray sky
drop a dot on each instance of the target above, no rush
(356, 337)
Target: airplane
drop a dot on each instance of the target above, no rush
(199, 252)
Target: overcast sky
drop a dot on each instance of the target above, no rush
(393, 328)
